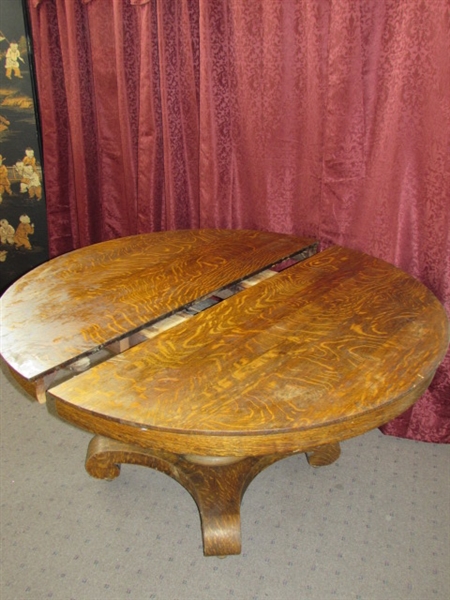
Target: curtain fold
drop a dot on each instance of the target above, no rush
(118, 89)
(328, 118)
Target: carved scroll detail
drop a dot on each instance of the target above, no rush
(324, 455)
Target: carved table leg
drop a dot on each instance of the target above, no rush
(323, 455)
(217, 485)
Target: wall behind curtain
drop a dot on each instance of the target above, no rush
(326, 118)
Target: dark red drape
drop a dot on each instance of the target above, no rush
(327, 118)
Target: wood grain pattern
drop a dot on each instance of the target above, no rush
(94, 296)
(336, 340)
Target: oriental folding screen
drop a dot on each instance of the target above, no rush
(23, 227)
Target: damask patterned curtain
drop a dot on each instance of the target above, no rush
(327, 118)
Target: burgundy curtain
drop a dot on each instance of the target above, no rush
(326, 118)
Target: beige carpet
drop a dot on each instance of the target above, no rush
(372, 526)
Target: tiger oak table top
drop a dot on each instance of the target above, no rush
(220, 348)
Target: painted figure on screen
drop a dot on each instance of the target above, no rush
(6, 232)
(5, 184)
(12, 64)
(24, 229)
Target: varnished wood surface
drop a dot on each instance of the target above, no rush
(327, 349)
(324, 455)
(94, 296)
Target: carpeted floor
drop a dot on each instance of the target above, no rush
(372, 526)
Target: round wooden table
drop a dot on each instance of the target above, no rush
(212, 354)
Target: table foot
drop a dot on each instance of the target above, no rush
(217, 485)
(323, 455)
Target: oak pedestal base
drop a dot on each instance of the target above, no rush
(217, 484)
